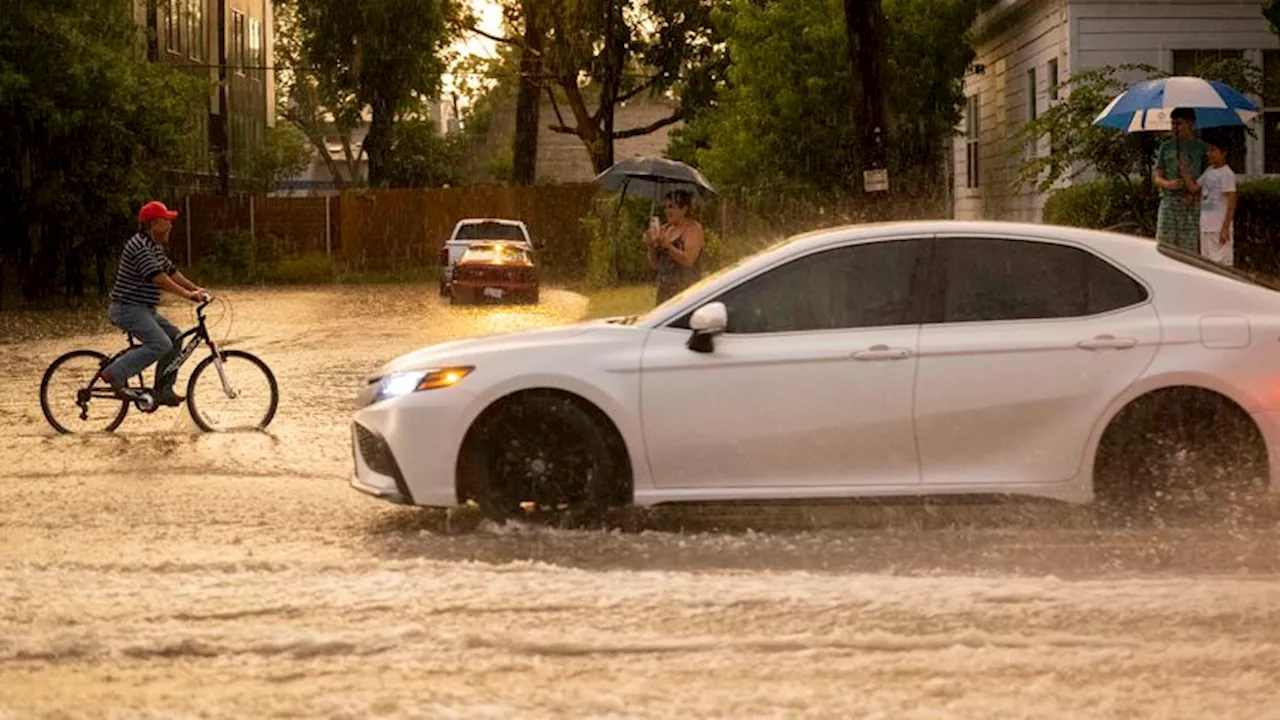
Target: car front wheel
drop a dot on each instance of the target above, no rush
(538, 452)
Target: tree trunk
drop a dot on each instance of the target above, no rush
(614, 55)
(524, 151)
(864, 26)
(375, 143)
(219, 133)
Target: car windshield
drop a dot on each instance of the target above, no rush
(490, 231)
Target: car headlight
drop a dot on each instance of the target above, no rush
(402, 383)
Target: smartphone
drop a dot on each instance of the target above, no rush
(654, 225)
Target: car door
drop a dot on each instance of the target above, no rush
(1035, 340)
(810, 385)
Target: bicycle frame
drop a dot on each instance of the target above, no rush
(198, 335)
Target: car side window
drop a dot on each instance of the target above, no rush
(866, 285)
(999, 279)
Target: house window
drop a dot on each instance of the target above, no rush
(255, 49)
(195, 29)
(1199, 62)
(238, 42)
(971, 141)
(1271, 112)
(1031, 95)
(1051, 74)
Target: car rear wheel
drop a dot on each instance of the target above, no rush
(1181, 452)
(541, 452)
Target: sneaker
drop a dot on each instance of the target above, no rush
(168, 397)
(121, 389)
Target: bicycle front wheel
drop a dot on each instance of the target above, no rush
(74, 400)
(232, 390)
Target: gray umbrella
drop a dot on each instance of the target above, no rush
(652, 178)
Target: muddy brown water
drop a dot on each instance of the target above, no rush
(162, 572)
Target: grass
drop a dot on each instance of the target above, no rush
(625, 300)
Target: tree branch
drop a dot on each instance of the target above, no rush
(637, 90)
(555, 106)
(675, 117)
(509, 41)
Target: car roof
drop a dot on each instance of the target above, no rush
(478, 221)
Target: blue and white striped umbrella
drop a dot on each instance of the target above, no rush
(1146, 106)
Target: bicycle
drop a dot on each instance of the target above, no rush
(64, 380)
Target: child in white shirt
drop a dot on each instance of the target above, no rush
(1217, 190)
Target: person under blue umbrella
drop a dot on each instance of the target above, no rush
(1178, 156)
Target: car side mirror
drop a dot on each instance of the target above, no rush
(707, 322)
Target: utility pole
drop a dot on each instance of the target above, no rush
(864, 28)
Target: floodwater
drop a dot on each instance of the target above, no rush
(161, 572)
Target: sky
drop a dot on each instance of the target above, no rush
(489, 16)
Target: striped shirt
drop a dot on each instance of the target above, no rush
(140, 263)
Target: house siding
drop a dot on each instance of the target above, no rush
(1111, 33)
(1016, 38)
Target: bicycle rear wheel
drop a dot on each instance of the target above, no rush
(239, 395)
(74, 400)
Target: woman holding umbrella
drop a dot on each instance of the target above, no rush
(1178, 221)
(675, 246)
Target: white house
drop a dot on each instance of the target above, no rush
(1025, 48)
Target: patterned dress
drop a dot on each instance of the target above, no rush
(1178, 222)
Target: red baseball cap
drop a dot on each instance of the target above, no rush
(155, 210)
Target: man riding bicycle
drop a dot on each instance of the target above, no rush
(144, 271)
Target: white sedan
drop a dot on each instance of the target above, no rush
(922, 358)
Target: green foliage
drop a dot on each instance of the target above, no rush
(617, 254)
(285, 154)
(1131, 207)
(87, 127)
(384, 55)
(597, 56)
(784, 121)
(1258, 225)
(1104, 204)
(420, 157)
(1078, 146)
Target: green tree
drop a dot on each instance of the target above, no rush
(595, 55)
(300, 101)
(421, 157)
(87, 129)
(285, 153)
(1077, 146)
(383, 55)
(784, 117)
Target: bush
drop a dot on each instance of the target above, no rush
(617, 255)
(1105, 204)
(1258, 226)
(311, 268)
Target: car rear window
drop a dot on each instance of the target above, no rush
(1245, 276)
(490, 231)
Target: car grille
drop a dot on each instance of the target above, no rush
(375, 452)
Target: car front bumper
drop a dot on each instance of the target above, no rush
(405, 449)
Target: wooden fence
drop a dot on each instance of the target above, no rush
(382, 229)
(378, 229)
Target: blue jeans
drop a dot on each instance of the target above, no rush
(159, 342)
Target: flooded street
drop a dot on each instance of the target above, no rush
(162, 572)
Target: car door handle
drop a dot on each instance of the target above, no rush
(882, 352)
(1107, 342)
